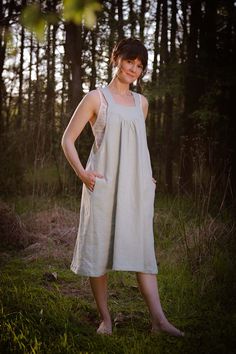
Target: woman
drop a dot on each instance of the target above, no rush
(117, 204)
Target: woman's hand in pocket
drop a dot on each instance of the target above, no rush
(89, 179)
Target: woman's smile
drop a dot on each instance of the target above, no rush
(131, 67)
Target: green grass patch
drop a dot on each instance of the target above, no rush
(38, 316)
(196, 283)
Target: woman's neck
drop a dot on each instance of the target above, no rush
(118, 87)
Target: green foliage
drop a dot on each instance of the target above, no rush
(77, 10)
(33, 18)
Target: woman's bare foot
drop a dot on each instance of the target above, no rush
(105, 328)
(165, 326)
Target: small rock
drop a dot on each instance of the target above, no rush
(134, 287)
(113, 294)
(50, 276)
(121, 318)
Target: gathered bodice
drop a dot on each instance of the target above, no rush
(98, 128)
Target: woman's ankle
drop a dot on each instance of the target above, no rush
(159, 320)
(106, 319)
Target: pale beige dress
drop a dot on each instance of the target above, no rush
(116, 219)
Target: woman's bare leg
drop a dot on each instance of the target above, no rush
(99, 289)
(149, 289)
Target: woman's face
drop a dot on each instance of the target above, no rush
(129, 70)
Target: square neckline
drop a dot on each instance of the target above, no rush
(119, 104)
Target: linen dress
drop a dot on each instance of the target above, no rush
(116, 218)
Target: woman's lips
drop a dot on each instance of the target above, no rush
(133, 77)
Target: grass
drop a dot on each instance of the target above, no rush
(42, 316)
(28, 204)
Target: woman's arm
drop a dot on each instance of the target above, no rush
(86, 111)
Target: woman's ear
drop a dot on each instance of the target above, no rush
(115, 62)
(118, 62)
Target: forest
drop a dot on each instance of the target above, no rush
(52, 53)
(190, 86)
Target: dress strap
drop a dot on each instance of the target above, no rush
(107, 95)
(140, 101)
(137, 99)
(110, 100)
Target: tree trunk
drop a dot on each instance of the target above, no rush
(93, 60)
(19, 117)
(142, 19)
(169, 102)
(191, 99)
(47, 139)
(120, 19)
(183, 44)
(29, 116)
(111, 39)
(3, 43)
(156, 42)
(73, 49)
(168, 112)
(229, 102)
(164, 55)
(132, 17)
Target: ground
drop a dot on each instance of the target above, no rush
(47, 308)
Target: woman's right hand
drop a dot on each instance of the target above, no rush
(89, 179)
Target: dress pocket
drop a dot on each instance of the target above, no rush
(98, 181)
(101, 198)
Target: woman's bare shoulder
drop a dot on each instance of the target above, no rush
(144, 100)
(93, 99)
(92, 95)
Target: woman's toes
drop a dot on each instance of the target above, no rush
(167, 328)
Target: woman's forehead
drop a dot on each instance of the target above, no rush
(137, 59)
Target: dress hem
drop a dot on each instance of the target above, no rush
(125, 269)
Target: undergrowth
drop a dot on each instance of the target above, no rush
(196, 283)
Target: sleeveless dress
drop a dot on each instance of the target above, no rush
(116, 218)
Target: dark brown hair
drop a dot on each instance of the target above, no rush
(130, 48)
